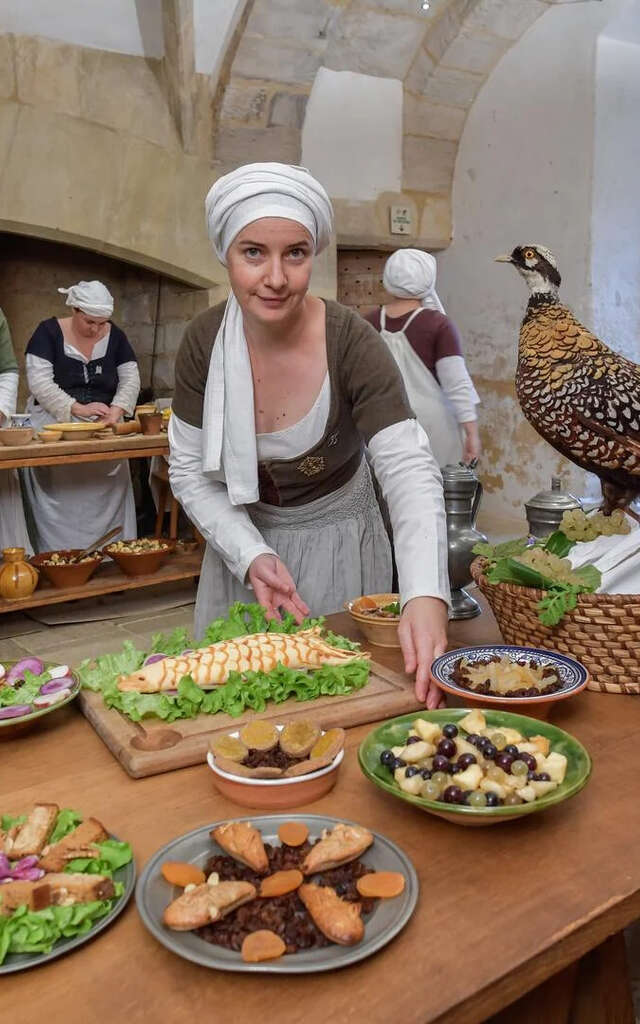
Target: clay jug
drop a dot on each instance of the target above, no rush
(18, 579)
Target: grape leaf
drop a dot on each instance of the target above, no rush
(590, 578)
(558, 544)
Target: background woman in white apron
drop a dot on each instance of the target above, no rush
(81, 367)
(426, 346)
(13, 530)
(277, 392)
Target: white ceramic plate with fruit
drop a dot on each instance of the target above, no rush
(475, 767)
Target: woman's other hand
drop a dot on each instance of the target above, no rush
(423, 637)
(274, 588)
(85, 412)
(114, 415)
(471, 446)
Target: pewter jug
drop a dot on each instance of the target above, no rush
(462, 496)
(546, 508)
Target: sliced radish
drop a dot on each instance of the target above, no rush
(66, 683)
(16, 674)
(45, 700)
(16, 711)
(58, 672)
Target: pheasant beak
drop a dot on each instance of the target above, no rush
(503, 259)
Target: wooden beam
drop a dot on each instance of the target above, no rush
(180, 68)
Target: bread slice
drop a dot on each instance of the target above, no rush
(34, 895)
(33, 834)
(78, 843)
(67, 889)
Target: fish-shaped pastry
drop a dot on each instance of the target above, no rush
(256, 652)
(343, 844)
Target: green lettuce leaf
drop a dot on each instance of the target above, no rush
(113, 855)
(504, 550)
(94, 674)
(8, 821)
(25, 692)
(558, 544)
(27, 931)
(171, 643)
(65, 823)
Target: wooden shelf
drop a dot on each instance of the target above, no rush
(104, 449)
(107, 580)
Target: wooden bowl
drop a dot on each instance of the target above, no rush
(571, 673)
(76, 431)
(61, 576)
(276, 794)
(142, 564)
(16, 436)
(49, 435)
(150, 422)
(382, 632)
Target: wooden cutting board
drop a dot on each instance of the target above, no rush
(153, 747)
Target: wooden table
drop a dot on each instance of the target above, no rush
(501, 909)
(104, 449)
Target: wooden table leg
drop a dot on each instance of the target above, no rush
(594, 990)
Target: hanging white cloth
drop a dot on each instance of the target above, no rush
(433, 412)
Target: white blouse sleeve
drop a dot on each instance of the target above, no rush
(128, 387)
(412, 486)
(457, 385)
(44, 389)
(226, 527)
(8, 393)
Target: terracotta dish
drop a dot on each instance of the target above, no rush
(15, 436)
(150, 422)
(49, 435)
(143, 563)
(571, 673)
(74, 575)
(378, 630)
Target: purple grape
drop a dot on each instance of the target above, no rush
(441, 763)
(399, 763)
(447, 748)
(465, 760)
(413, 739)
(505, 761)
(489, 751)
(450, 731)
(492, 800)
(453, 795)
(387, 758)
(511, 749)
(544, 777)
(474, 739)
(410, 771)
(426, 774)
(529, 760)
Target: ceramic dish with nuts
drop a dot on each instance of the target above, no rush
(142, 556)
(377, 617)
(276, 766)
(60, 569)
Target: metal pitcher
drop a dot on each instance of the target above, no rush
(546, 508)
(462, 496)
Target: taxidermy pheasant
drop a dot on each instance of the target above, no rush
(581, 397)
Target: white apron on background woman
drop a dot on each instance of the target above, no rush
(13, 529)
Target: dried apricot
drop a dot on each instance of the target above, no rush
(229, 746)
(259, 735)
(298, 737)
(179, 873)
(365, 604)
(281, 882)
(262, 945)
(330, 743)
(293, 833)
(381, 884)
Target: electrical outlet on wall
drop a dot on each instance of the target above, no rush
(401, 220)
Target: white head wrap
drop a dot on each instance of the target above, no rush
(267, 190)
(245, 195)
(411, 274)
(91, 297)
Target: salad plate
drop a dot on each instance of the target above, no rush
(154, 893)
(20, 691)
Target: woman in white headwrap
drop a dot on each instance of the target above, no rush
(80, 367)
(426, 346)
(277, 393)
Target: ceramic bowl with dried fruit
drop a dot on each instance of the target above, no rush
(377, 617)
(273, 767)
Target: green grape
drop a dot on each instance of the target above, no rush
(477, 799)
(519, 768)
(499, 740)
(512, 799)
(440, 778)
(431, 790)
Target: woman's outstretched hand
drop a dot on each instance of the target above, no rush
(274, 588)
(423, 637)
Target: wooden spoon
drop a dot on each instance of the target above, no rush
(97, 544)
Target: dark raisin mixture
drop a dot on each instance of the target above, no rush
(285, 915)
(460, 678)
(274, 758)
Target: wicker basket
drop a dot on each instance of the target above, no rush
(603, 631)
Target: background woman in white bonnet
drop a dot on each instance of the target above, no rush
(80, 367)
(277, 393)
(426, 346)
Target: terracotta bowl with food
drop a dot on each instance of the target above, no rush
(377, 616)
(292, 763)
(15, 436)
(527, 680)
(57, 567)
(140, 557)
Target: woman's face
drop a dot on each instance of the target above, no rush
(269, 264)
(88, 326)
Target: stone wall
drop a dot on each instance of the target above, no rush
(153, 310)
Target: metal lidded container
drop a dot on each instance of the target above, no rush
(462, 495)
(545, 509)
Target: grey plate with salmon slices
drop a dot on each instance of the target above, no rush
(389, 916)
(20, 961)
